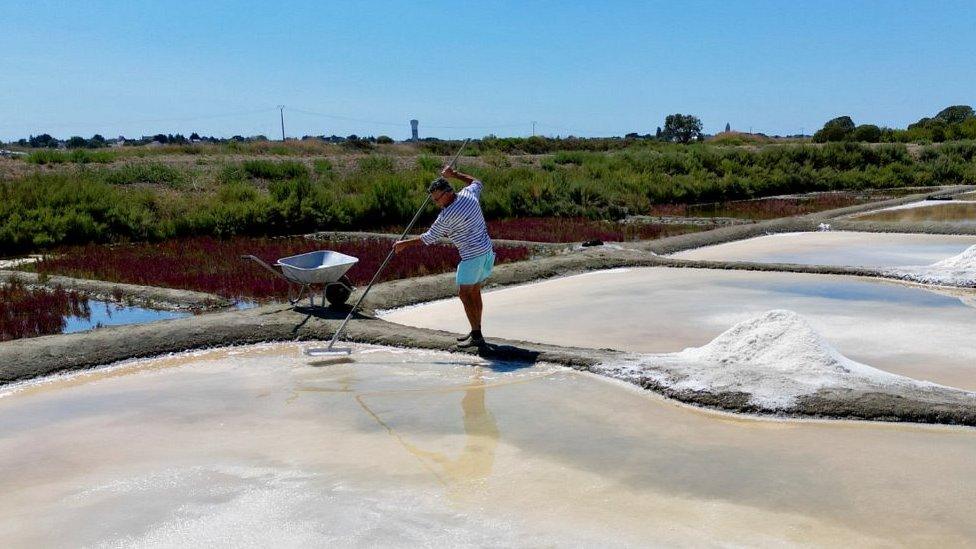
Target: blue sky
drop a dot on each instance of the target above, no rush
(473, 68)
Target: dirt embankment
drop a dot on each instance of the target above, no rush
(144, 296)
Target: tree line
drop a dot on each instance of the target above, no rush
(950, 124)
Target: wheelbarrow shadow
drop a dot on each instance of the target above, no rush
(332, 312)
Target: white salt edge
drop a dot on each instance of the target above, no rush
(958, 270)
(775, 358)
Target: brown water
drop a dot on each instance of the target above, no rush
(838, 248)
(959, 213)
(903, 329)
(256, 447)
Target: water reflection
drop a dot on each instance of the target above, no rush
(465, 472)
(961, 213)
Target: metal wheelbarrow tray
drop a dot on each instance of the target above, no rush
(320, 268)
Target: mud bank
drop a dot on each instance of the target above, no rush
(145, 296)
(537, 248)
(24, 359)
(683, 220)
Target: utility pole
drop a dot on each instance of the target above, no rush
(281, 109)
(533, 128)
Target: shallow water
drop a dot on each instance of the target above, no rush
(948, 211)
(256, 447)
(895, 327)
(105, 313)
(837, 248)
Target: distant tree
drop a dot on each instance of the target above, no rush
(238, 138)
(23, 142)
(965, 129)
(384, 140)
(260, 137)
(868, 133)
(682, 127)
(161, 138)
(96, 141)
(76, 142)
(956, 114)
(194, 136)
(728, 127)
(43, 140)
(837, 129)
(632, 135)
(657, 135)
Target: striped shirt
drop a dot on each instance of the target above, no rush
(463, 223)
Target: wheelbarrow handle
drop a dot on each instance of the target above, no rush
(265, 265)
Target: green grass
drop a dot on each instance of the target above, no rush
(76, 156)
(148, 172)
(275, 171)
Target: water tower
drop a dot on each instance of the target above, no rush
(414, 135)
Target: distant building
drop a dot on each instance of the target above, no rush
(414, 133)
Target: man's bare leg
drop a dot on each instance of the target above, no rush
(478, 305)
(470, 295)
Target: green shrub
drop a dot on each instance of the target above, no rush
(149, 172)
(77, 156)
(49, 208)
(267, 169)
(428, 163)
(376, 164)
(47, 156)
(322, 166)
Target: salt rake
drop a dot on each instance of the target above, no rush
(331, 350)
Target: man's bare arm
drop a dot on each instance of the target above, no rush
(451, 172)
(401, 245)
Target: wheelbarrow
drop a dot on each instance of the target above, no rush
(325, 269)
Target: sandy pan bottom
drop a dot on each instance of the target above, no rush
(838, 248)
(256, 446)
(891, 326)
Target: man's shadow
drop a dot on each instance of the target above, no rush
(501, 356)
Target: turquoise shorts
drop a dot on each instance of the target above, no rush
(475, 270)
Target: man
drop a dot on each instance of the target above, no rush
(461, 221)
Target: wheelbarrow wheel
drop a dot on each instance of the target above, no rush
(337, 293)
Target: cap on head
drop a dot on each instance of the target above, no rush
(440, 184)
